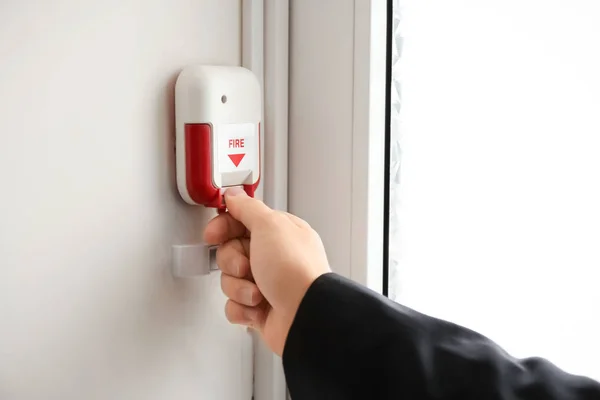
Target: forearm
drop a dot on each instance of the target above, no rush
(348, 342)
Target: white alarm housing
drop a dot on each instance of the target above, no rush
(218, 112)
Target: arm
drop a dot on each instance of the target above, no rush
(347, 342)
(341, 341)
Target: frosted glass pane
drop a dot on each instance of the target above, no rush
(495, 220)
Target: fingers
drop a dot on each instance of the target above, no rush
(223, 228)
(247, 210)
(243, 315)
(241, 291)
(299, 222)
(232, 257)
(244, 211)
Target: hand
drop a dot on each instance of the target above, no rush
(268, 261)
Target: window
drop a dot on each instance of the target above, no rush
(495, 172)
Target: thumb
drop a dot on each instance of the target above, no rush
(247, 210)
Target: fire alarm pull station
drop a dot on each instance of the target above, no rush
(218, 112)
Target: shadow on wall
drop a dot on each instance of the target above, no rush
(171, 130)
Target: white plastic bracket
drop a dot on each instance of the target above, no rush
(193, 260)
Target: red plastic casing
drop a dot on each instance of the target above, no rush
(199, 167)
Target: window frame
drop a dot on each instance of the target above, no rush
(340, 192)
(265, 32)
(281, 53)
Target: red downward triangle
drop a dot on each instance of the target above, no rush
(236, 158)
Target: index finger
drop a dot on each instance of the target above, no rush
(248, 210)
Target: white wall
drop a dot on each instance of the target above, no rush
(89, 210)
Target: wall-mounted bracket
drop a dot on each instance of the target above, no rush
(193, 260)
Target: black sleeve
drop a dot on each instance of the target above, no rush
(348, 342)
